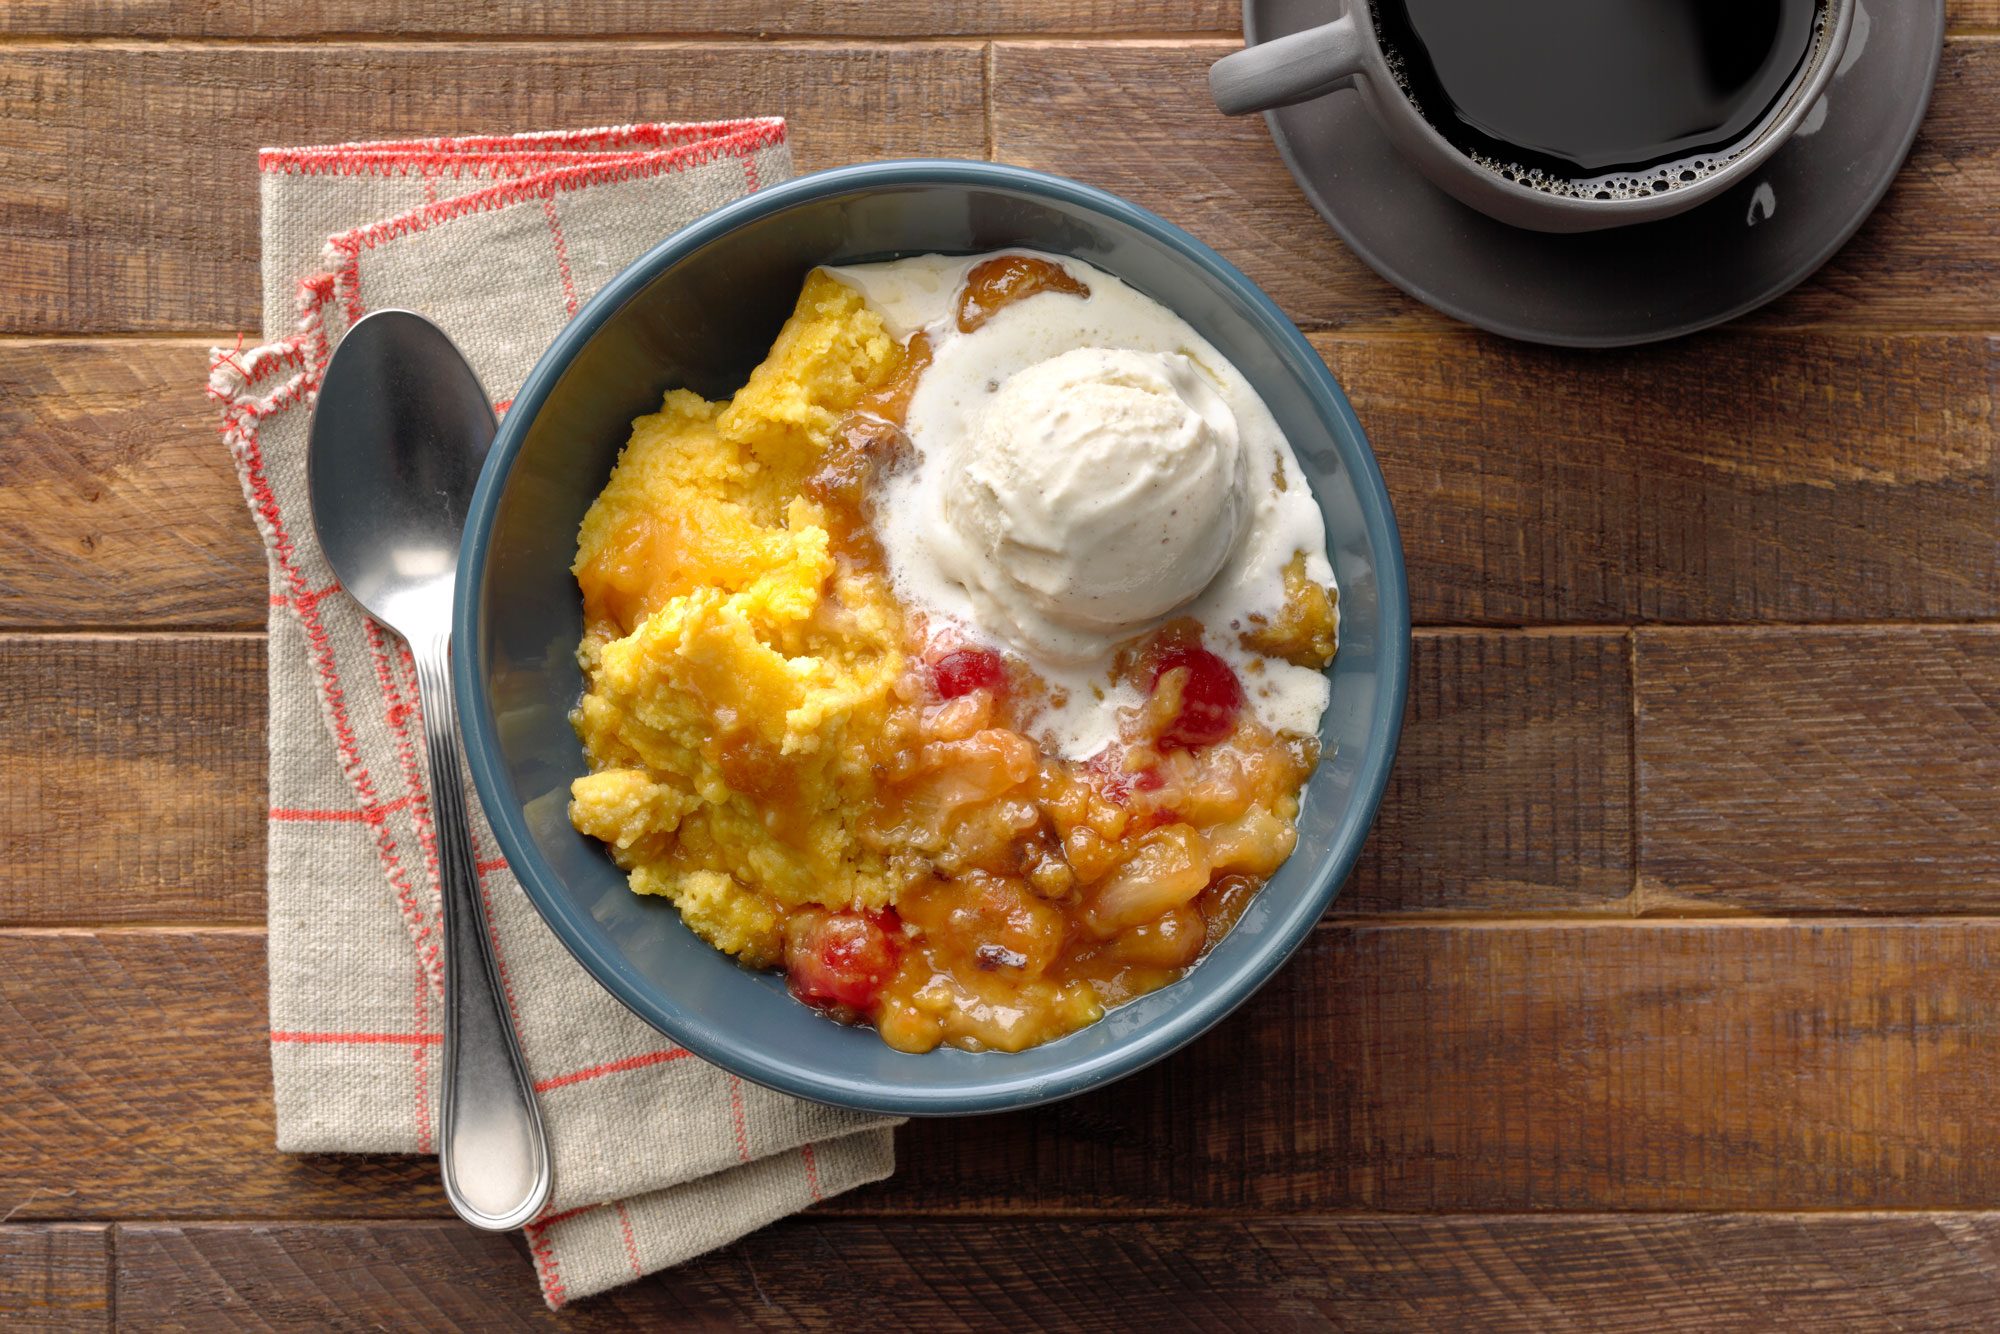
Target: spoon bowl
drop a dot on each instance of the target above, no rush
(401, 459)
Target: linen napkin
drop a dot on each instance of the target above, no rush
(657, 1155)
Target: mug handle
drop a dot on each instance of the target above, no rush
(1294, 68)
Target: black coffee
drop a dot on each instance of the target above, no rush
(1581, 89)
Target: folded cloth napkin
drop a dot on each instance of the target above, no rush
(658, 1156)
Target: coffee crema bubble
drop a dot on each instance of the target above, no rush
(1600, 99)
(1658, 181)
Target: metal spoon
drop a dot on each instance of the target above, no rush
(398, 437)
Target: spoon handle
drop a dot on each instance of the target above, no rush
(492, 1151)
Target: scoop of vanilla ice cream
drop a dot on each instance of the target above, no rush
(1097, 492)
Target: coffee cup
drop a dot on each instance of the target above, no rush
(1350, 53)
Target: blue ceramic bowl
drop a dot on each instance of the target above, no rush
(699, 311)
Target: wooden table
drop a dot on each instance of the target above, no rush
(1668, 991)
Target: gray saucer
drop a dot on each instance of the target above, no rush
(1632, 284)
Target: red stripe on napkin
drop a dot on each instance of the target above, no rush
(612, 1068)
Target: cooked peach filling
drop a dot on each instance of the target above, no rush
(823, 782)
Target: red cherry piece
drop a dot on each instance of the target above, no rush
(965, 670)
(844, 959)
(1211, 697)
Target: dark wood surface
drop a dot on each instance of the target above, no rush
(1506, 1272)
(1855, 766)
(135, 778)
(55, 1276)
(1492, 1065)
(117, 508)
(1735, 477)
(1667, 993)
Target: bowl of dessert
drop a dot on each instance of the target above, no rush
(932, 637)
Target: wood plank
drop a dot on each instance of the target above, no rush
(1405, 1068)
(660, 18)
(1738, 476)
(1508, 795)
(1136, 119)
(135, 778)
(55, 1277)
(1794, 501)
(1511, 791)
(1561, 1066)
(135, 1081)
(118, 504)
(130, 196)
(616, 18)
(1888, 1272)
(1837, 768)
(152, 227)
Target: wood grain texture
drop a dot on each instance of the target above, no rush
(1512, 786)
(54, 1277)
(1438, 1069)
(1561, 1067)
(616, 18)
(609, 18)
(135, 1081)
(1735, 476)
(1831, 461)
(147, 222)
(1500, 1273)
(134, 778)
(130, 194)
(1511, 794)
(1738, 476)
(1137, 119)
(141, 768)
(118, 503)
(1409, 1068)
(1843, 768)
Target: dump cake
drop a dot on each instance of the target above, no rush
(967, 664)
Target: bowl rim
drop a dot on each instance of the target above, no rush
(573, 926)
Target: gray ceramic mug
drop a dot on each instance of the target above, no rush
(1347, 53)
